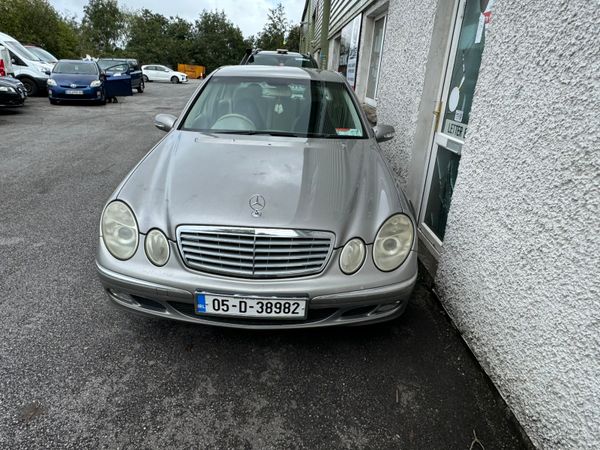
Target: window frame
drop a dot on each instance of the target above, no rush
(368, 100)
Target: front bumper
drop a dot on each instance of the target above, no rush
(89, 93)
(12, 98)
(334, 298)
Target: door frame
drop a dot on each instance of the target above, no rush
(426, 235)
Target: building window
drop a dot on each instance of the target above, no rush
(349, 42)
(375, 62)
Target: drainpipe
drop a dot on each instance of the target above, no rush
(325, 33)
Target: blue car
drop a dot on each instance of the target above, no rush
(76, 80)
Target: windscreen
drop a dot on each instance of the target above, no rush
(272, 59)
(75, 68)
(43, 54)
(106, 63)
(17, 48)
(275, 106)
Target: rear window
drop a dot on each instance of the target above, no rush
(75, 68)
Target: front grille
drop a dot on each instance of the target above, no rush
(254, 252)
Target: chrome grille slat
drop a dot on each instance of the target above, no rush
(218, 261)
(254, 252)
(200, 251)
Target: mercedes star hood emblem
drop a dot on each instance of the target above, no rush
(257, 204)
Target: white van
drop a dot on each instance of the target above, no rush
(27, 67)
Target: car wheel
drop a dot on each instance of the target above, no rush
(53, 102)
(30, 86)
(145, 78)
(141, 87)
(174, 79)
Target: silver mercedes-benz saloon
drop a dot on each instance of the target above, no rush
(267, 204)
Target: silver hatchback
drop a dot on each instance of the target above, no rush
(267, 205)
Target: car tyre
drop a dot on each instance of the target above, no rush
(53, 101)
(174, 79)
(141, 87)
(30, 86)
(145, 78)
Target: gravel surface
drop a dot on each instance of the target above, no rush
(77, 373)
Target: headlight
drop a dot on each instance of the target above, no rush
(352, 256)
(119, 230)
(157, 247)
(393, 242)
(6, 89)
(51, 82)
(96, 83)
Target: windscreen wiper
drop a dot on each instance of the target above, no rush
(256, 132)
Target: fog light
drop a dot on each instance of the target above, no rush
(352, 256)
(157, 247)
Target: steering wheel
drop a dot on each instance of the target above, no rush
(234, 122)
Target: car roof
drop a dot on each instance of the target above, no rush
(280, 53)
(81, 61)
(300, 73)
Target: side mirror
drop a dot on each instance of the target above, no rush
(164, 122)
(384, 132)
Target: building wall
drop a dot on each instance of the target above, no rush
(519, 273)
(405, 51)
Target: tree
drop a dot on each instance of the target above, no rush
(292, 42)
(180, 35)
(272, 36)
(217, 41)
(102, 27)
(37, 22)
(147, 37)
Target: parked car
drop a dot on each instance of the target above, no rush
(28, 68)
(12, 92)
(157, 72)
(44, 55)
(76, 80)
(124, 67)
(259, 210)
(281, 57)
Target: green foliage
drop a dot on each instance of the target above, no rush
(37, 22)
(155, 39)
(292, 42)
(272, 36)
(102, 27)
(108, 30)
(217, 42)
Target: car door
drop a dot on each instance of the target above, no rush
(135, 72)
(150, 72)
(117, 81)
(164, 73)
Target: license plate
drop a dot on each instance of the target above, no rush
(72, 92)
(251, 307)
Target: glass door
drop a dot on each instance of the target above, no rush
(464, 61)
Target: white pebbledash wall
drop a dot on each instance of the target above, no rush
(520, 270)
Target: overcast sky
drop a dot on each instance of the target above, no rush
(249, 15)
